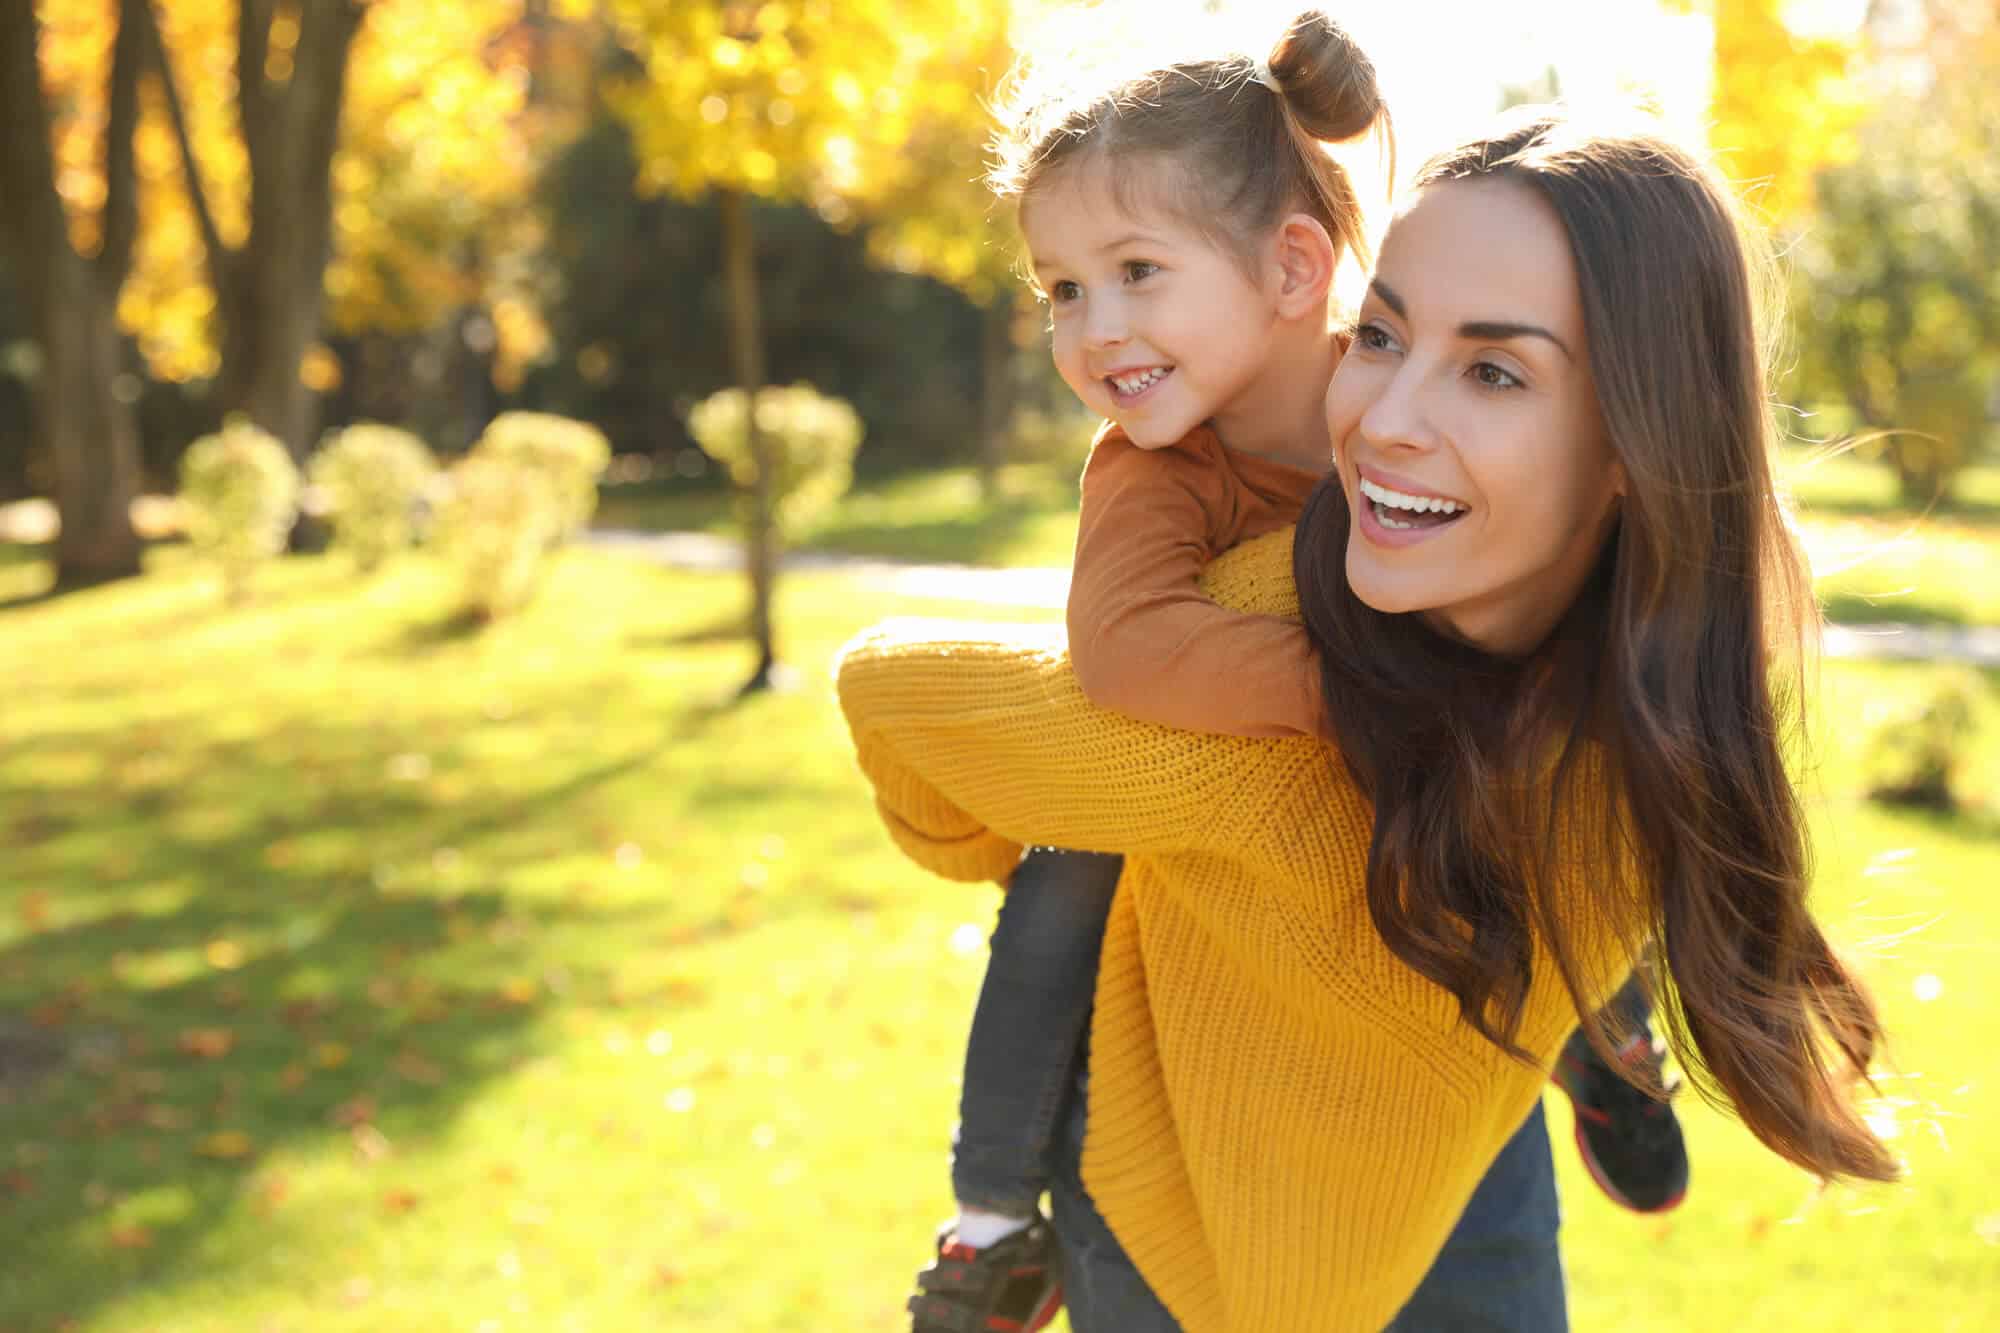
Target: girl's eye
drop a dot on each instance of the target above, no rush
(1138, 270)
(1491, 376)
(1064, 292)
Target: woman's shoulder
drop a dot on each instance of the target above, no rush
(1255, 576)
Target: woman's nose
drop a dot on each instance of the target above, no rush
(1399, 417)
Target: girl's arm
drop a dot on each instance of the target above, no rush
(1145, 641)
(979, 741)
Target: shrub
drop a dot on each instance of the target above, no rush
(372, 477)
(812, 435)
(239, 494)
(1914, 755)
(569, 457)
(495, 520)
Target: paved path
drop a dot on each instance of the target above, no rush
(1049, 587)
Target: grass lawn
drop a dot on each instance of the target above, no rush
(361, 973)
(1874, 562)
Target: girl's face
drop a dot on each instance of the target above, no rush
(1153, 325)
(1467, 434)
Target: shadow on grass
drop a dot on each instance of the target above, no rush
(183, 1009)
(22, 564)
(449, 630)
(730, 628)
(982, 536)
(1847, 608)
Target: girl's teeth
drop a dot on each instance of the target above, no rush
(1131, 384)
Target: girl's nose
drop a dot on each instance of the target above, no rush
(1105, 324)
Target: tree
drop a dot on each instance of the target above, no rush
(290, 72)
(70, 267)
(361, 168)
(1782, 103)
(798, 102)
(928, 209)
(1897, 272)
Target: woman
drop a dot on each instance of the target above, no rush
(1544, 582)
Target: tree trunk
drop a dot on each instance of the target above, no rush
(87, 426)
(270, 293)
(746, 350)
(996, 389)
(82, 421)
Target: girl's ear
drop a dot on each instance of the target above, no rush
(1303, 259)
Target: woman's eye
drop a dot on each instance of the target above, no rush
(1064, 292)
(1493, 377)
(1374, 337)
(1138, 270)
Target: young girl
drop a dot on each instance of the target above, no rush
(1184, 228)
(1542, 585)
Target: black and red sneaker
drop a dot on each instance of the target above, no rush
(1013, 1285)
(1631, 1142)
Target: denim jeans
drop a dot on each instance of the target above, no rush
(1028, 1027)
(1499, 1272)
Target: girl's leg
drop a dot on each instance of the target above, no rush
(1028, 1027)
(1100, 1283)
(1631, 1144)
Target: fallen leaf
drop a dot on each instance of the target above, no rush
(371, 1143)
(224, 955)
(206, 1043)
(357, 1111)
(226, 1145)
(401, 1201)
(159, 1115)
(34, 909)
(292, 1076)
(413, 1066)
(131, 1238)
(330, 1054)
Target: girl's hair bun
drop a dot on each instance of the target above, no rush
(1327, 83)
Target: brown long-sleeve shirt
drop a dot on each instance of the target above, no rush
(1143, 640)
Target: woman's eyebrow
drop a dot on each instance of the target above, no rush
(1487, 330)
(1490, 330)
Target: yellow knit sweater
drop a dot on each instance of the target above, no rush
(1285, 1121)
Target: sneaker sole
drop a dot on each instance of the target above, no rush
(1616, 1195)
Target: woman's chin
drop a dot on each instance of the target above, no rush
(1390, 596)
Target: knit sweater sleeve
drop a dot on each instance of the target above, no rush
(1144, 639)
(979, 741)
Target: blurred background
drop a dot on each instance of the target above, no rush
(441, 447)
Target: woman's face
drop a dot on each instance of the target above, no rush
(1476, 467)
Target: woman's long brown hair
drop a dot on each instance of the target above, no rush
(1669, 693)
